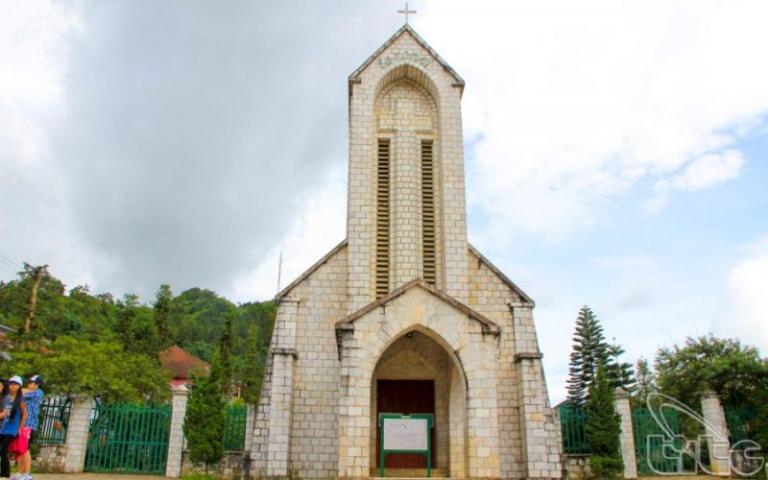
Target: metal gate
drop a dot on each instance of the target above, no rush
(128, 439)
(652, 456)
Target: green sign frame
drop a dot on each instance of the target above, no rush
(398, 416)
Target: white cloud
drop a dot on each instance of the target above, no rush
(702, 172)
(320, 227)
(32, 193)
(574, 106)
(747, 282)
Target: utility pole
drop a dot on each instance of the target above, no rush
(36, 278)
(279, 270)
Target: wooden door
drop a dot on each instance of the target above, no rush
(406, 397)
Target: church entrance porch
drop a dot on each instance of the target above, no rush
(417, 375)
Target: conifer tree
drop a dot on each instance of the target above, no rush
(589, 349)
(163, 309)
(205, 417)
(253, 370)
(225, 353)
(619, 373)
(603, 427)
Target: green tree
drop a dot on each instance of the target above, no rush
(136, 327)
(603, 427)
(14, 303)
(77, 366)
(205, 417)
(225, 354)
(619, 373)
(253, 368)
(589, 349)
(163, 312)
(734, 371)
(646, 381)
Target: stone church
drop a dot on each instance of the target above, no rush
(404, 315)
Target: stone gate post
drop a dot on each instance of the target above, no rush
(717, 434)
(176, 437)
(250, 423)
(77, 433)
(627, 436)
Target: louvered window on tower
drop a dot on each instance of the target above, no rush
(382, 219)
(428, 212)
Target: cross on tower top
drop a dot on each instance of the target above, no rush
(406, 12)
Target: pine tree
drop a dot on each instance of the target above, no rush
(163, 310)
(589, 349)
(603, 427)
(619, 373)
(225, 352)
(205, 417)
(253, 370)
(646, 381)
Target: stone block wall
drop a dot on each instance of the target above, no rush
(234, 466)
(50, 459)
(307, 316)
(576, 467)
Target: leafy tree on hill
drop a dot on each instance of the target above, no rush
(225, 359)
(103, 369)
(194, 320)
(603, 427)
(14, 302)
(136, 327)
(163, 312)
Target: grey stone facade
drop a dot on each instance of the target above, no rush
(473, 328)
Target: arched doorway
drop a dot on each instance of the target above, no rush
(417, 374)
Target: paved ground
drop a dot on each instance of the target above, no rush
(93, 476)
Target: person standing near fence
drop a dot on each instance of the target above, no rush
(14, 418)
(33, 397)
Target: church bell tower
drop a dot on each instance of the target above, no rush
(406, 210)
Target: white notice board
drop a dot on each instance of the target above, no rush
(406, 434)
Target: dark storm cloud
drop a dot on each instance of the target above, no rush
(193, 128)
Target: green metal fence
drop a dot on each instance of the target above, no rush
(234, 427)
(650, 441)
(572, 421)
(740, 422)
(53, 421)
(127, 438)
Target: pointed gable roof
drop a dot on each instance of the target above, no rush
(354, 77)
(505, 279)
(488, 325)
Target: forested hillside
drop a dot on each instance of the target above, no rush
(69, 324)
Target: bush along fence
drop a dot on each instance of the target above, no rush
(78, 434)
(646, 447)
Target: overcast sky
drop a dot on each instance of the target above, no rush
(615, 151)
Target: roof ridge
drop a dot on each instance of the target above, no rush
(407, 28)
(489, 326)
